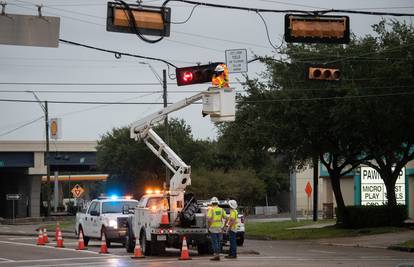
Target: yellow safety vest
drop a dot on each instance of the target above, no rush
(216, 214)
(234, 215)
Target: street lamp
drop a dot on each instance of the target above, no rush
(45, 110)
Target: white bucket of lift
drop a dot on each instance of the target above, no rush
(220, 104)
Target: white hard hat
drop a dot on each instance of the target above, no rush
(233, 204)
(219, 68)
(214, 200)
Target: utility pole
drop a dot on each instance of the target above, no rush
(167, 134)
(293, 214)
(46, 111)
(315, 162)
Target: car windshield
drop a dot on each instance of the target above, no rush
(117, 206)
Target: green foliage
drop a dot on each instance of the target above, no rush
(371, 216)
(241, 185)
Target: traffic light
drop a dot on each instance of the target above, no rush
(324, 74)
(316, 29)
(195, 74)
(149, 20)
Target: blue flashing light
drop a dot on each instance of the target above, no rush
(114, 197)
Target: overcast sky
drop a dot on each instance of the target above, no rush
(204, 38)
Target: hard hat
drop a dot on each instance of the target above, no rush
(219, 68)
(214, 200)
(233, 204)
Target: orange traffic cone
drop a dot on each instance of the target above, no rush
(40, 239)
(104, 248)
(45, 238)
(81, 243)
(164, 218)
(57, 231)
(59, 241)
(184, 251)
(137, 251)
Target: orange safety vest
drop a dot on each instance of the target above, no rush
(220, 82)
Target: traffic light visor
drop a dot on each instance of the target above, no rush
(195, 74)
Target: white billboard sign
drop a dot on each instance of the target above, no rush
(236, 60)
(373, 191)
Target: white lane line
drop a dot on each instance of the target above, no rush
(68, 249)
(322, 251)
(70, 259)
(6, 260)
(104, 262)
(22, 238)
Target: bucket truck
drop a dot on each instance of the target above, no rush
(162, 218)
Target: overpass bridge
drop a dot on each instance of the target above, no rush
(22, 166)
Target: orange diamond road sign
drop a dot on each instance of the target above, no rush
(308, 189)
(77, 191)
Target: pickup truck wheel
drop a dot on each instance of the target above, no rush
(129, 240)
(103, 233)
(145, 245)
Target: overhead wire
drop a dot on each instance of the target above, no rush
(21, 126)
(267, 34)
(189, 17)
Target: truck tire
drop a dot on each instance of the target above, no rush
(129, 240)
(103, 233)
(85, 238)
(205, 248)
(145, 245)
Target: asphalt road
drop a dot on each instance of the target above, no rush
(22, 251)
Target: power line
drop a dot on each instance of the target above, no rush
(20, 127)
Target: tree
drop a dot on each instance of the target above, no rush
(344, 123)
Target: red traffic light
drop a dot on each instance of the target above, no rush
(195, 74)
(327, 74)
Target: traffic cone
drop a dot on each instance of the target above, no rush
(184, 251)
(104, 248)
(164, 218)
(40, 239)
(137, 251)
(59, 241)
(81, 243)
(57, 231)
(45, 238)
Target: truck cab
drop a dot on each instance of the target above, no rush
(105, 216)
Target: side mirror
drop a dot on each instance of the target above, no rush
(94, 213)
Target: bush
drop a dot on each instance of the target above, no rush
(371, 216)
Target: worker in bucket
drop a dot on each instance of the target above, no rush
(221, 76)
(215, 217)
(231, 226)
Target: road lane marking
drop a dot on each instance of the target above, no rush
(22, 238)
(6, 260)
(322, 251)
(68, 259)
(47, 246)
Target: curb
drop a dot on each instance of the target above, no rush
(72, 236)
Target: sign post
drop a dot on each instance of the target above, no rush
(308, 191)
(13, 198)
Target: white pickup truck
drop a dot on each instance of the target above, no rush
(105, 216)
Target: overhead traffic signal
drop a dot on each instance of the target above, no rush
(147, 20)
(324, 73)
(316, 29)
(195, 74)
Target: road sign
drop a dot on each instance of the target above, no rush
(308, 189)
(77, 191)
(236, 60)
(13, 196)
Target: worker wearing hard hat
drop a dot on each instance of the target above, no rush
(215, 217)
(231, 223)
(221, 76)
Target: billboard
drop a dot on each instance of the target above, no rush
(373, 191)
